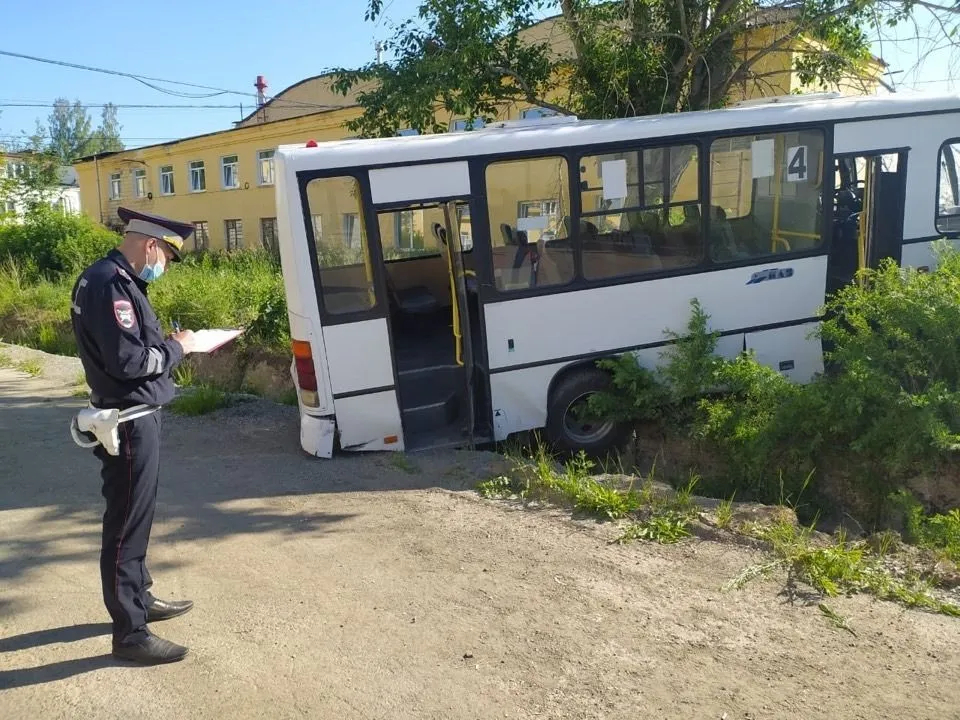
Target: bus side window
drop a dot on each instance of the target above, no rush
(346, 276)
(764, 194)
(948, 189)
(640, 211)
(529, 205)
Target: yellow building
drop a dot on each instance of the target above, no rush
(223, 181)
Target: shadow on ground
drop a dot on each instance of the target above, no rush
(221, 475)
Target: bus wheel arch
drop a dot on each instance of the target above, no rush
(567, 432)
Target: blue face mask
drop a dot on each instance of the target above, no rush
(152, 271)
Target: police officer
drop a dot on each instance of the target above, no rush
(127, 362)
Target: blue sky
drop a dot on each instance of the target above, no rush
(226, 45)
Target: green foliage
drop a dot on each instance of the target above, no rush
(604, 59)
(49, 244)
(200, 400)
(665, 528)
(835, 568)
(888, 408)
(209, 290)
(70, 133)
(217, 290)
(939, 532)
(725, 513)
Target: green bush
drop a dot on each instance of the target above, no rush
(887, 410)
(49, 244)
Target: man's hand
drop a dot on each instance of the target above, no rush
(185, 338)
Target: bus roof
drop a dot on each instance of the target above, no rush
(533, 135)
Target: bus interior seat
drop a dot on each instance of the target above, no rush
(416, 300)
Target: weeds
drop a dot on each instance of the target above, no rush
(838, 620)
(665, 528)
(289, 397)
(725, 513)
(34, 368)
(402, 462)
(940, 533)
(835, 568)
(185, 375)
(200, 400)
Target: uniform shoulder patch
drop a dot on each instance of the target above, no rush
(124, 314)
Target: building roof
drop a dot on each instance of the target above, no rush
(168, 143)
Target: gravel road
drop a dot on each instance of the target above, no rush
(364, 587)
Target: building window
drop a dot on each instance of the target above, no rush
(407, 132)
(265, 167)
(9, 206)
(230, 166)
(268, 234)
(317, 222)
(198, 176)
(140, 183)
(114, 186)
(948, 189)
(640, 211)
(462, 125)
(406, 235)
(166, 180)
(234, 234)
(765, 194)
(201, 235)
(346, 280)
(16, 169)
(529, 205)
(352, 235)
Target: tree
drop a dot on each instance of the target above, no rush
(70, 132)
(108, 134)
(624, 58)
(71, 135)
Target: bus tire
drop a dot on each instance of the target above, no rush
(567, 433)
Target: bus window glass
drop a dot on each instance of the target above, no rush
(948, 191)
(640, 211)
(765, 194)
(529, 206)
(346, 276)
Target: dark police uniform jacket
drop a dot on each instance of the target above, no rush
(125, 356)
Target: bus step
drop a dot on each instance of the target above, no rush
(431, 416)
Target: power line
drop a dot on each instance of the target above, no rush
(148, 80)
(121, 105)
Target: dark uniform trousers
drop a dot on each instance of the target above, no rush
(130, 489)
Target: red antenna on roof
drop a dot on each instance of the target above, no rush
(261, 85)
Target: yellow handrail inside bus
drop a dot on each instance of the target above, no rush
(458, 336)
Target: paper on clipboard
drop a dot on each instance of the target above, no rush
(206, 341)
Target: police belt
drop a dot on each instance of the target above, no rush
(94, 426)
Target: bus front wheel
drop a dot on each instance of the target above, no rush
(571, 428)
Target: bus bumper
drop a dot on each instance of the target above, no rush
(316, 435)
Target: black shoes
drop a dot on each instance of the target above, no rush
(152, 650)
(164, 610)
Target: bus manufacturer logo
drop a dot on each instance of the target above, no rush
(771, 274)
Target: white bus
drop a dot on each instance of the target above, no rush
(452, 289)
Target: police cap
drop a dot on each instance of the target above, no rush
(172, 232)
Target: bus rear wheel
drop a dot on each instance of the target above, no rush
(570, 428)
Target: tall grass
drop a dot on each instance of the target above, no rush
(208, 291)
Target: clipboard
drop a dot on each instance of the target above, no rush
(206, 341)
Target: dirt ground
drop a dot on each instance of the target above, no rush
(366, 588)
